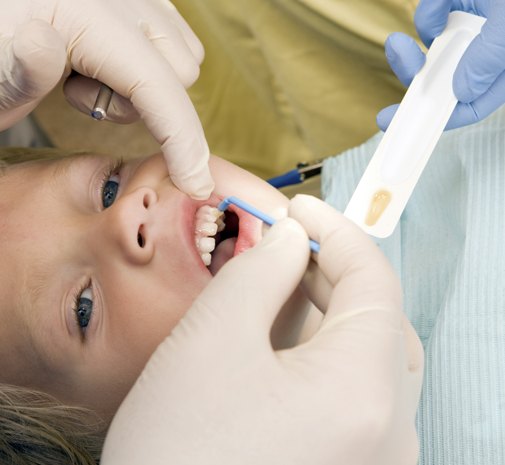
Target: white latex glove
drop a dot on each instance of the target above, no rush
(143, 49)
(215, 392)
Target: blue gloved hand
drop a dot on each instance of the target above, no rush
(479, 80)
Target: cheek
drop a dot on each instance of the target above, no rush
(138, 320)
(150, 306)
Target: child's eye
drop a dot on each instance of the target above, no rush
(109, 191)
(84, 307)
(110, 185)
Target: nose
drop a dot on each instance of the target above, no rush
(127, 223)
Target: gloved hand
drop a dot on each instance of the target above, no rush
(479, 80)
(143, 49)
(215, 392)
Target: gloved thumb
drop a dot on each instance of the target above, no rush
(33, 61)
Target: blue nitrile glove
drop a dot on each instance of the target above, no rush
(479, 81)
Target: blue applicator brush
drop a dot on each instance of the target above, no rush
(225, 203)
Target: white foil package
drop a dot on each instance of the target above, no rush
(397, 164)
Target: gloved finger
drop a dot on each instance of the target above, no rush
(157, 95)
(406, 59)
(317, 287)
(404, 56)
(385, 116)
(25, 77)
(250, 289)
(81, 92)
(487, 103)
(431, 18)
(171, 44)
(349, 259)
(482, 62)
(163, 17)
(190, 37)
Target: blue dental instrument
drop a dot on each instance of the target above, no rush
(225, 203)
(302, 172)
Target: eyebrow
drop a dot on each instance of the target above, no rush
(38, 283)
(62, 167)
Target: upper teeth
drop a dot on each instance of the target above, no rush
(209, 221)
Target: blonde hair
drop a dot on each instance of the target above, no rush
(15, 155)
(35, 428)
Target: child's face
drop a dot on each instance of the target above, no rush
(132, 269)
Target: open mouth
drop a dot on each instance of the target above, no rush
(217, 236)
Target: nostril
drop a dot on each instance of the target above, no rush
(140, 240)
(146, 201)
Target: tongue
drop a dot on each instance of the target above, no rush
(223, 252)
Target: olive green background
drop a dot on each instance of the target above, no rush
(283, 81)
